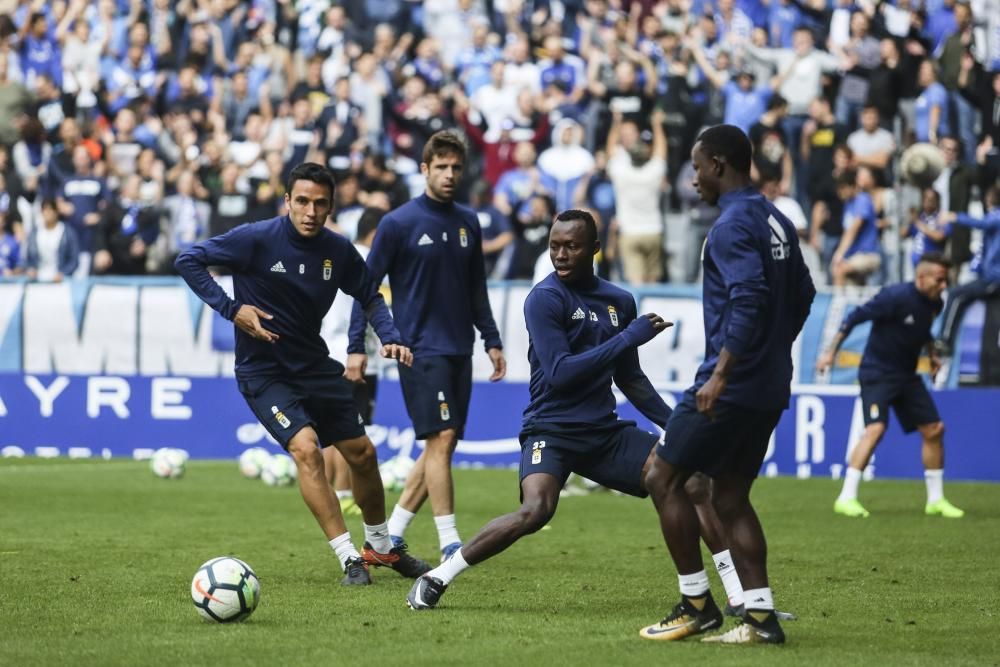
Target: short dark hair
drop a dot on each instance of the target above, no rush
(849, 177)
(573, 214)
(776, 102)
(310, 171)
(49, 202)
(935, 258)
(445, 142)
(729, 143)
(369, 220)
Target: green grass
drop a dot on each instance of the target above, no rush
(96, 560)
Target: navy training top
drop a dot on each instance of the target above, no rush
(576, 348)
(756, 295)
(433, 254)
(291, 277)
(901, 326)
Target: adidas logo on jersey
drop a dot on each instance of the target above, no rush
(425, 240)
(278, 268)
(909, 319)
(579, 314)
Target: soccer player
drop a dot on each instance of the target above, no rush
(286, 273)
(901, 317)
(431, 249)
(583, 334)
(756, 297)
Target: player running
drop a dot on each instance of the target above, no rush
(902, 316)
(756, 297)
(286, 273)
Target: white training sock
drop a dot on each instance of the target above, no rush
(730, 579)
(852, 476)
(344, 548)
(378, 537)
(344, 494)
(935, 485)
(399, 521)
(759, 598)
(447, 532)
(449, 569)
(693, 585)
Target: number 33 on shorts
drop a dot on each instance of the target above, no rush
(536, 451)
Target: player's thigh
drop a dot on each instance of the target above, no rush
(620, 461)
(542, 455)
(333, 408)
(876, 398)
(914, 406)
(695, 442)
(279, 406)
(432, 400)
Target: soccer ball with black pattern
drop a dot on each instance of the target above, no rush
(225, 590)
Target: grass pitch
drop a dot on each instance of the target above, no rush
(96, 560)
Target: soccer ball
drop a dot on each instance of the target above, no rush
(225, 590)
(279, 471)
(253, 461)
(168, 462)
(395, 471)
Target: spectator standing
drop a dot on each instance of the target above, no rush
(51, 252)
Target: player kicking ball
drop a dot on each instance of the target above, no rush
(901, 317)
(286, 273)
(584, 333)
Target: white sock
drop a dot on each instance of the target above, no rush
(935, 485)
(449, 569)
(447, 532)
(693, 585)
(378, 537)
(730, 579)
(344, 549)
(852, 476)
(759, 598)
(399, 521)
(344, 494)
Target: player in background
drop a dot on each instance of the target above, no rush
(431, 249)
(756, 296)
(901, 316)
(988, 282)
(334, 332)
(286, 273)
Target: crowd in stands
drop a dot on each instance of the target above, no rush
(131, 129)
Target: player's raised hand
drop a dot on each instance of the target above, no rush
(643, 329)
(659, 323)
(248, 319)
(499, 364)
(400, 353)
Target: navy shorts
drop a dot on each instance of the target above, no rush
(437, 391)
(613, 456)
(364, 397)
(734, 441)
(909, 398)
(323, 400)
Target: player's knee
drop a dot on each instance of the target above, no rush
(934, 431)
(699, 489)
(306, 455)
(534, 514)
(360, 455)
(443, 441)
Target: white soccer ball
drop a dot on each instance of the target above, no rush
(279, 471)
(225, 590)
(253, 460)
(395, 471)
(168, 463)
(12, 452)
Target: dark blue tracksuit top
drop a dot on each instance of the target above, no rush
(901, 326)
(433, 254)
(756, 296)
(576, 348)
(291, 277)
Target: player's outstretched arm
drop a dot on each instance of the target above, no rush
(562, 368)
(368, 306)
